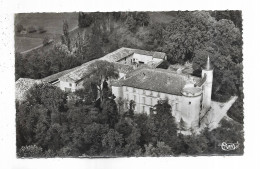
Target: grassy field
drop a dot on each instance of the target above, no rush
(26, 43)
(51, 22)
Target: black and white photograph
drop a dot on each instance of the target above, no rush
(125, 84)
(129, 84)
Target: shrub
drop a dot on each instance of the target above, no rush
(220, 98)
(46, 41)
(131, 23)
(19, 28)
(31, 29)
(85, 19)
(41, 29)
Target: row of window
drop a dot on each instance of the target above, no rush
(144, 91)
(144, 101)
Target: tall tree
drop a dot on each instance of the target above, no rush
(100, 71)
(65, 37)
(162, 123)
(186, 33)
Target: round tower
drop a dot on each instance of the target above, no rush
(207, 73)
(191, 106)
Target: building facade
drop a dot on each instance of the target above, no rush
(188, 96)
(141, 81)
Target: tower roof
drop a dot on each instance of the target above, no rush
(208, 66)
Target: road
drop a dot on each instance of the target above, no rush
(218, 111)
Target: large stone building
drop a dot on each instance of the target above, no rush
(141, 81)
(124, 59)
(189, 96)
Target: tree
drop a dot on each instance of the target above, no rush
(65, 38)
(109, 109)
(30, 151)
(41, 29)
(227, 74)
(186, 33)
(86, 128)
(227, 40)
(112, 142)
(44, 107)
(161, 149)
(31, 29)
(182, 125)
(46, 41)
(120, 103)
(85, 19)
(130, 111)
(234, 15)
(162, 124)
(100, 71)
(131, 23)
(19, 28)
(142, 18)
(132, 142)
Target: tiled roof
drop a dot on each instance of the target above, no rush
(78, 73)
(56, 76)
(22, 85)
(124, 52)
(159, 80)
(122, 68)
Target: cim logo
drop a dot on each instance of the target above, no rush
(229, 146)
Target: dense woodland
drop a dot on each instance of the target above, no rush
(49, 125)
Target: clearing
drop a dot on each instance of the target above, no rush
(51, 22)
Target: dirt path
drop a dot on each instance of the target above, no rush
(218, 111)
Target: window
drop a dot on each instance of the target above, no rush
(134, 90)
(143, 100)
(143, 109)
(143, 91)
(158, 94)
(151, 101)
(151, 110)
(135, 98)
(70, 84)
(176, 106)
(151, 93)
(189, 102)
(126, 89)
(127, 97)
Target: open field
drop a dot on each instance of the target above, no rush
(26, 43)
(52, 23)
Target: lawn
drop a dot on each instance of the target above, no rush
(26, 43)
(51, 22)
